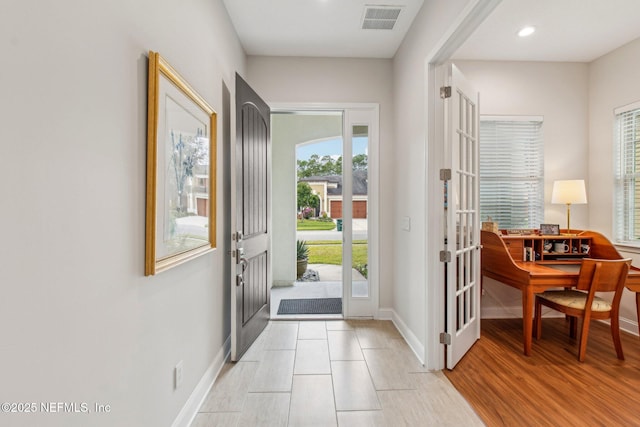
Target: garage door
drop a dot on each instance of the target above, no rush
(360, 209)
(202, 206)
(336, 209)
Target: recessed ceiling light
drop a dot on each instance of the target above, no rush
(526, 31)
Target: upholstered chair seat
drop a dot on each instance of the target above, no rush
(575, 299)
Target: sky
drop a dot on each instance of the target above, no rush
(331, 147)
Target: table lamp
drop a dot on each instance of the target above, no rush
(569, 192)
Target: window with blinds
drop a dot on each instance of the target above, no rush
(512, 171)
(627, 175)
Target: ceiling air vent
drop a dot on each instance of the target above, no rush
(380, 17)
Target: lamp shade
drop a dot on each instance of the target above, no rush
(570, 191)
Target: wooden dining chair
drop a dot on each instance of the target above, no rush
(596, 275)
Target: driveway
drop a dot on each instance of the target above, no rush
(359, 233)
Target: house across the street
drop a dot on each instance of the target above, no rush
(329, 190)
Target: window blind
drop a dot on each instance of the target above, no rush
(627, 176)
(512, 172)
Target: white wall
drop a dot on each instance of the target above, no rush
(559, 93)
(613, 82)
(410, 123)
(288, 130)
(80, 321)
(339, 80)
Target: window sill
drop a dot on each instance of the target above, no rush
(628, 247)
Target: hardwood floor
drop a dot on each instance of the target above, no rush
(551, 387)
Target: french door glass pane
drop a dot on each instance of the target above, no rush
(360, 203)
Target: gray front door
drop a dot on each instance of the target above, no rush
(250, 295)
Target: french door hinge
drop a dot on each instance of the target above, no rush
(445, 338)
(445, 256)
(445, 174)
(445, 92)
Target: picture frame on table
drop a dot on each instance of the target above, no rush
(550, 229)
(181, 170)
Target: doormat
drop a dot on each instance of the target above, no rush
(311, 306)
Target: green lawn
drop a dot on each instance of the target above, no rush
(313, 224)
(330, 252)
(334, 242)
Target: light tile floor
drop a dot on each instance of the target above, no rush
(332, 373)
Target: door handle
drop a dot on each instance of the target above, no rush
(243, 264)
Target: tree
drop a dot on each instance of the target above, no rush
(360, 162)
(187, 152)
(306, 198)
(328, 165)
(317, 166)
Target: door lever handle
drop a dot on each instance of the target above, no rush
(243, 266)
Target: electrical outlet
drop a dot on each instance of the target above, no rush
(178, 374)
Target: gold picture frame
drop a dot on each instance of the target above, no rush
(181, 170)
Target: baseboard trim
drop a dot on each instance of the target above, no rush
(514, 312)
(626, 325)
(192, 405)
(385, 314)
(414, 343)
(629, 326)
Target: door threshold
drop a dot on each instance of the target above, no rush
(307, 317)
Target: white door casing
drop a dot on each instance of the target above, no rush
(356, 114)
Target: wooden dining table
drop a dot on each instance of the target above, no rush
(532, 277)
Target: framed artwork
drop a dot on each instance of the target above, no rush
(181, 170)
(550, 229)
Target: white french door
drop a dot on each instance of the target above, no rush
(462, 210)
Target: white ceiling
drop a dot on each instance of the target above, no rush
(567, 30)
(324, 28)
